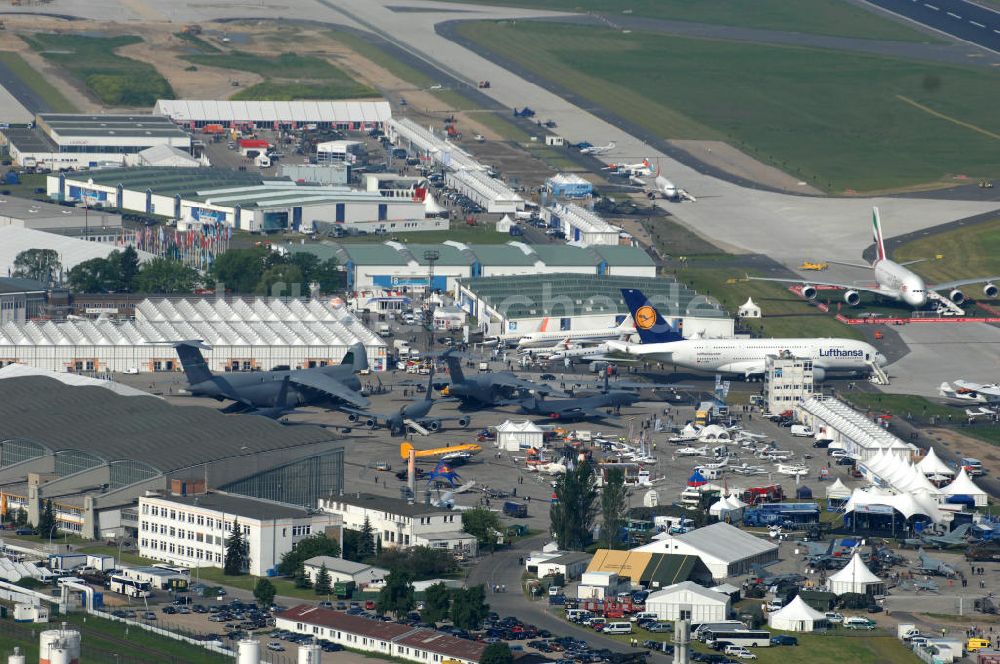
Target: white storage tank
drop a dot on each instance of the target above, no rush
(59, 646)
(310, 654)
(17, 657)
(248, 652)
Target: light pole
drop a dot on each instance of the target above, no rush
(51, 530)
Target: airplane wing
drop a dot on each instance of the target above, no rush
(327, 385)
(867, 288)
(948, 285)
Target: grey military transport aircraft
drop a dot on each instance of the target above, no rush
(273, 393)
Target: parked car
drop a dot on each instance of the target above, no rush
(739, 651)
(275, 646)
(659, 627)
(784, 640)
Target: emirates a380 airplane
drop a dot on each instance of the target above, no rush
(893, 280)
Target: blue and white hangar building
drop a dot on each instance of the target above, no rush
(243, 200)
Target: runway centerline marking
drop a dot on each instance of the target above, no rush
(978, 25)
(954, 15)
(937, 114)
(931, 7)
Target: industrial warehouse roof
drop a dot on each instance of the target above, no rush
(39, 215)
(560, 255)
(132, 126)
(168, 181)
(258, 322)
(448, 254)
(622, 256)
(335, 112)
(720, 541)
(251, 508)
(22, 370)
(531, 295)
(369, 254)
(18, 285)
(649, 569)
(72, 252)
(852, 424)
(111, 427)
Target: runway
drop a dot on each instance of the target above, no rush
(962, 19)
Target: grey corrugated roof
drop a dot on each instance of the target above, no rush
(725, 542)
(341, 565)
(249, 508)
(150, 431)
(383, 504)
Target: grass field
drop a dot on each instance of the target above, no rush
(115, 80)
(785, 313)
(380, 57)
(821, 17)
(919, 411)
(288, 76)
(965, 252)
(108, 641)
(45, 90)
(197, 42)
(841, 121)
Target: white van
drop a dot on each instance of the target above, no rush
(801, 431)
(618, 628)
(857, 622)
(644, 615)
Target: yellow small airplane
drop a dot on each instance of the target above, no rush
(819, 267)
(405, 447)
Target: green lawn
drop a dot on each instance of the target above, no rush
(198, 42)
(47, 92)
(821, 17)
(286, 588)
(785, 313)
(965, 252)
(919, 411)
(838, 120)
(394, 66)
(115, 80)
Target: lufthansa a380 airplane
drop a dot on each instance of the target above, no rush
(894, 281)
(743, 357)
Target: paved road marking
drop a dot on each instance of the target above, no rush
(997, 31)
(978, 25)
(930, 6)
(950, 119)
(954, 15)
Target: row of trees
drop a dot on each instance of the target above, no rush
(259, 270)
(466, 607)
(573, 515)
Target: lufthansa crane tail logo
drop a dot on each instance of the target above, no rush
(645, 317)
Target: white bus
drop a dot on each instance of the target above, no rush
(748, 638)
(130, 587)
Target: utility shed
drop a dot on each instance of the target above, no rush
(688, 601)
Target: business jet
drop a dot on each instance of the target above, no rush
(597, 149)
(629, 170)
(795, 470)
(660, 342)
(662, 187)
(895, 281)
(692, 451)
(964, 390)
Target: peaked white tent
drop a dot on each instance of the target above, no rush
(796, 617)
(749, 309)
(838, 490)
(964, 486)
(906, 504)
(855, 578)
(932, 464)
(503, 226)
(514, 436)
(431, 206)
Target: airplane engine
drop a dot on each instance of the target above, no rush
(809, 292)
(852, 297)
(464, 421)
(956, 296)
(990, 290)
(819, 374)
(433, 425)
(371, 423)
(352, 417)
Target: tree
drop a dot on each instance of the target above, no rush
(329, 276)
(240, 270)
(21, 518)
(482, 524)
(281, 280)
(437, 602)
(301, 578)
(572, 516)
(422, 562)
(128, 269)
(469, 607)
(310, 547)
(237, 552)
(38, 264)
(396, 597)
(497, 653)
(323, 585)
(166, 275)
(614, 506)
(306, 262)
(264, 593)
(351, 538)
(366, 541)
(97, 275)
(46, 520)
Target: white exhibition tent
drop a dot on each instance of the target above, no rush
(932, 465)
(505, 223)
(855, 578)
(838, 491)
(905, 503)
(726, 506)
(514, 436)
(796, 617)
(964, 486)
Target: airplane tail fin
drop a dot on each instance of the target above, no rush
(195, 367)
(404, 449)
(649, 324)
(281, 400)
(877, 230)
(454, 366)
(357, 357)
